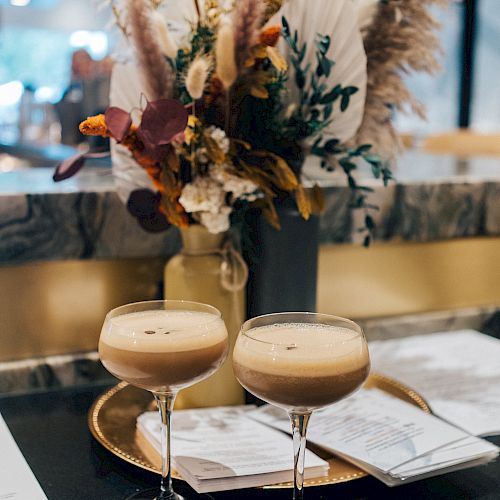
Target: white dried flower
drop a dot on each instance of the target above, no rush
(231, 183)
(216, 223)
(204, 194)
(220, 137)
(202, 155)
(239, 187)
(251, 197)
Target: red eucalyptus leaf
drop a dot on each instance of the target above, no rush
(72, 165)
(161, 121)
(143, 204)
(155, 223)
(118, 122)
(69, 167)
(98, 155)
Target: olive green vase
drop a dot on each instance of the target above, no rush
(196, 274)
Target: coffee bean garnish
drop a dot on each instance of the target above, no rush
(166, 333)
(149, 332)
(290, 347)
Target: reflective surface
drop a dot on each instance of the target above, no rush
(113, 415)
(54, 419)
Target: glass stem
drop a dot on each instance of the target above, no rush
(299, 430)
(165, 404)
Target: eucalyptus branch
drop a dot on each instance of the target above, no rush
(333, 154)
(316, 100)
(314, 115)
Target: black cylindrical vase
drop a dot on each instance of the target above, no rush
(283, 264)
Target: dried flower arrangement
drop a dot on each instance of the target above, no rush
(226, 123)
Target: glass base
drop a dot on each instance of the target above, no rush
(153, 493)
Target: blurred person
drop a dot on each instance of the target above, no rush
(96, 96)
(82, 65)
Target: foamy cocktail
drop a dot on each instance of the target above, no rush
(163, 350)
(163, 346)
(300, 362)
(309, 366)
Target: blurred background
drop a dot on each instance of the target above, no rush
(55, 66)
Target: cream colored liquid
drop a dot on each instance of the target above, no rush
(163, 351)
(301, 365)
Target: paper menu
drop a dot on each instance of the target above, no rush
(472, 447)
(219, 449)
(375, 428)
(17, 481)
(389, 438)
(458, 373)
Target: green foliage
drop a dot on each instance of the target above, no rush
(257, 117)
(203, 40)
(316, 104)
(332, 154)
(313, 115)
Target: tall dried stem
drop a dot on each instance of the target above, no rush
(198, 11)
(248, 16)
(155, 70)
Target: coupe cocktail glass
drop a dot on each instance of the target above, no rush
(163, 346)
(300, 362)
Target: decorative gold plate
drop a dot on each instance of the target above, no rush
(113, 416)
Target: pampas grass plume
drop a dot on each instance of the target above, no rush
(247, 17)
(395, 48)
(165, 40)
(197, 76)
(226, 68)
(155, 71)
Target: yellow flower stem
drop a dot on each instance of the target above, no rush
(228, 111)
(193, 152)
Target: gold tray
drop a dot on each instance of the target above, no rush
(113, 415)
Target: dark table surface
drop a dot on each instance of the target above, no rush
(51, 431)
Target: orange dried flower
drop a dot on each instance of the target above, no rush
(270, 35)
(94, 125)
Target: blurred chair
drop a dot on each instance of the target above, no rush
(463, 142)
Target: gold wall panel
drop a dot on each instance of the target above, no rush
(402, 278)
(58, 307)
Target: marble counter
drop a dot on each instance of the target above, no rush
(435, 198)
(76, 219)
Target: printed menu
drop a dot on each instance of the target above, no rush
(218, 449)
(388, 438)
(458, 373)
